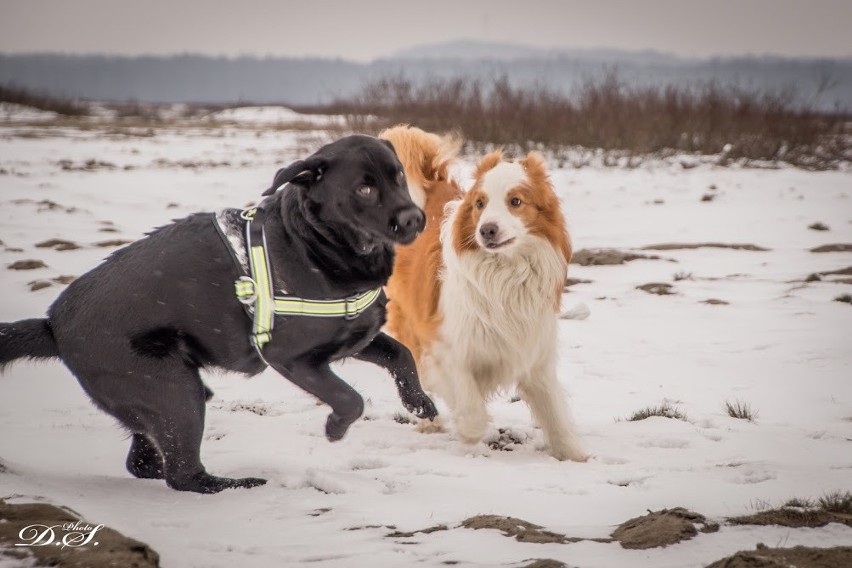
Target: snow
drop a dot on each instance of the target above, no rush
(13, 112)
(270, 115)
(780, 345)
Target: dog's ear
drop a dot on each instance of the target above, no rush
(389, 145)
(301, 172)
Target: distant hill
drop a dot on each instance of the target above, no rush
(480, 50)
(308, 81)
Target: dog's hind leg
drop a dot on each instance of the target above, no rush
(144, 459)
(177, 426)
(319, 380)
(546, 399)
(162, 402)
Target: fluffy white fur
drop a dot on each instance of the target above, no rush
(499, 329)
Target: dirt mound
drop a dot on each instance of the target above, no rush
(522, 530)
(840, 247)
(793, 517)
(686, 246)
(661, 528)
(607, 257)
(658, 288)
(544, 563)
(26, 265)
(78, 544)
(797, 557)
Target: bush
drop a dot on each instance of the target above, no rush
(610, 115)
(11, 94)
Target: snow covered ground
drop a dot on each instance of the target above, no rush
(779, 344)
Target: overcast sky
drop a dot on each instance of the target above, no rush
(366, 29)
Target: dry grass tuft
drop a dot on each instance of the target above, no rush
(741, 410)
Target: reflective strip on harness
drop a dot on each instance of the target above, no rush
(246, 290)
(257, 291)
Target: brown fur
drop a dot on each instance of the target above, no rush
(415, 287)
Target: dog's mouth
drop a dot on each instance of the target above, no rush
(401, 236)
(500, 245)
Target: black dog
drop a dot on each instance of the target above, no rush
(136, 329)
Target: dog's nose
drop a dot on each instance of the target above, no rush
(411, 220)
(489, 231)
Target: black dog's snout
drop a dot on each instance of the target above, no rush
(489, 231)
(408, 223)
(411, 219)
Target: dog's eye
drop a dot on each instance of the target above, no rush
(365, 191)
(516, 202)
(479, 204)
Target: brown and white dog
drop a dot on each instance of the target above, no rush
(476, 296)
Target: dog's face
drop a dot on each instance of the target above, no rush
(509, 203)
(356, 189)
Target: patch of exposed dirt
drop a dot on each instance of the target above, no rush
(87, 166)
(254, 408)
(45, 205)
(574, 281)
(65, 279)
(715, 302)
(818, 226)
(842, 272)
(113, 243)
(796, 557)
(845, 298)
(36, 285)
(544, 563)
(506, 440)
(402, 534)
(112, 549)
(27, 265)
(58, 244)
(658, 288)
(840, 247)
(793, 517)
(661, 528)
(689, 246)
(522, 531)
(608, 257)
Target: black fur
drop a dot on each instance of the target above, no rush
(136, 329)
(30, 338)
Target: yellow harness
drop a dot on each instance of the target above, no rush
(256, 291)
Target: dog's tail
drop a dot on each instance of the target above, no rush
(426, 157)
(30, 338)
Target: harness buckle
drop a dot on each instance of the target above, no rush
(248, 214)
(246, 289)
(352, 311)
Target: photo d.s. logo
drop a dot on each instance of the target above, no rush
(73, 535)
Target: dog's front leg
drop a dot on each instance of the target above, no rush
(390, 354)
(319, 380)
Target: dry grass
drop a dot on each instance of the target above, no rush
(733, 123)
(664, 410)
(12, 94)
(741, 410)
(836, 502)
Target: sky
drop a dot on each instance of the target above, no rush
(363, 30)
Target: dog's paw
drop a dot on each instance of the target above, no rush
(205, 483)
(421, 406)
(336, 427)
(432, 426)
(470, 430)
(569, 454)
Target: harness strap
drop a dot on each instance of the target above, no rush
(257, 293)
(261, 272)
